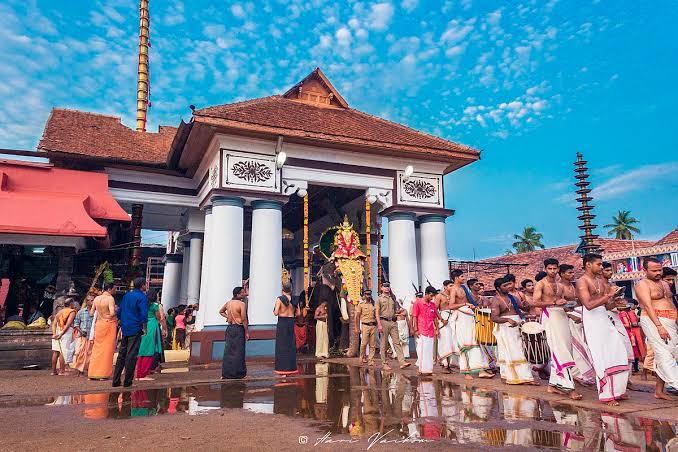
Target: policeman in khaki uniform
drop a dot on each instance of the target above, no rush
(386, 311)
(366, 324)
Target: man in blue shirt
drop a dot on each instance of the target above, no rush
(132, 317)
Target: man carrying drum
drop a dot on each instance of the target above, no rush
(507, 314)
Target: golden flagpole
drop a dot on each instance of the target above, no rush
(380, 276)
(306, 269)
(142, 67)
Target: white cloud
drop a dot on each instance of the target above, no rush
(380, 16)
(343, 36)
(409, 5)
(636, 179)
(174, 14)
(456, 31)
(237, 10)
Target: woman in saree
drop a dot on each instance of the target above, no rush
(150, 349)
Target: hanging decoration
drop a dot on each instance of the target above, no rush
(368, 241)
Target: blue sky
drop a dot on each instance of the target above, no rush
(530, 83)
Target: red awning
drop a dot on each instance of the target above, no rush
(42, 199)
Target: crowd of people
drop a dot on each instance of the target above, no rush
(553, 328)
(85, 338)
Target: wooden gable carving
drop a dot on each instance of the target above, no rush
(316, 89)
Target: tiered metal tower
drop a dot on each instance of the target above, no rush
(142, 67)
(589, 245)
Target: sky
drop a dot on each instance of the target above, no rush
(528, 83)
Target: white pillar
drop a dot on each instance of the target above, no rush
(434, 262)
(402, 256)
(193, 287)
(204, 277)
(417, 239)
(185, 267)
(171, 281)
(265, 261)
(374, 252)
(225, 256)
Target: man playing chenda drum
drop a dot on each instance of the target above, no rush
(471, 358)
(507, 314)
(607, 350)
(658, 321)
(549, 296)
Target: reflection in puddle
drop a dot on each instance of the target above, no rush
(358, 402)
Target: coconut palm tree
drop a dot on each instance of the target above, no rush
(530, 240)
(622, 226)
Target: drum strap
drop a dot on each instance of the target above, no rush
(515, 306)
(469, 296)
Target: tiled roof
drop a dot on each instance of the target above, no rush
(290, 117)
(487, 270)
(615, 245)
(104, 137)
(671, 237)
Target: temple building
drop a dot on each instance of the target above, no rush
(247, 188)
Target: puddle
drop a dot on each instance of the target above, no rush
(356, 402)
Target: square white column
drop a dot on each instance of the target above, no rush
(434, 261)
(171, 281)
(183, 291)
(204, 272)
(225, 256)
(265, 261)
(194, 269)
(402, 256)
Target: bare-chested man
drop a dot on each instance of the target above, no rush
(607, 350)
(613, 313)
(533, 312)
(549, 296)
(506, 313)
(471, 358)
(658, 321)
(235, 313)
(583, 372)
(447, 340)
(105, 335)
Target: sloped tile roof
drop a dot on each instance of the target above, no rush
(290, 117)
(527, 265)
(104, 137)
(671, 237)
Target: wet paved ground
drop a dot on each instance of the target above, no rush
(357, 405)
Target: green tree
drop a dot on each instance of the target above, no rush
(530, 240)
(622, 226)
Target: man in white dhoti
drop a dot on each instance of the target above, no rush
(549, 296)
(585, 374)
(658, 321)
(424, 316)
(613, 314)
(403, 330)
(471, 358)
(607, 350)
(447, 340)
(583, 369)
(507, 316)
